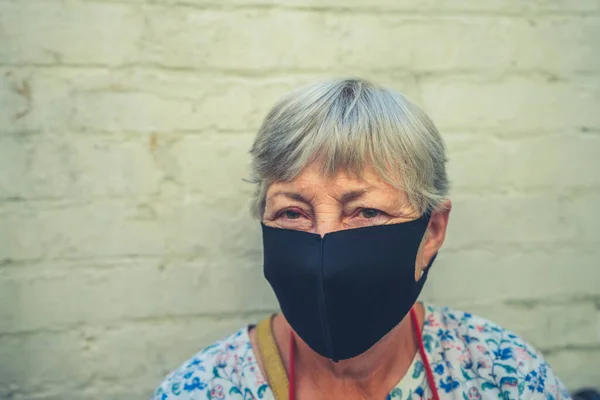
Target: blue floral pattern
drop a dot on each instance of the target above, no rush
(471, 359)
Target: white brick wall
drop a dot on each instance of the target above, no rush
(125, 241)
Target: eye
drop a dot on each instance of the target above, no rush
(291, 214)
(292, 218)
(369, 213)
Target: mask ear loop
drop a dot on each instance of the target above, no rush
(426, 216)
(431, 261)
(425, 270)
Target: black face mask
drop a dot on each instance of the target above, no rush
(345, 291)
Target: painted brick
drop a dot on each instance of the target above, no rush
(543, 163)
(113, 228)
(253, 39)
(97, 392)
(218, 173)
(537, 218)
(162, 289)
(33, 363)
(73, 34)
(75, 166)
(256, 40)
(522, 105)
(31, 102)
(483, 277)
(581, 209)
(576, 367)
(85, 229)
(421, 6)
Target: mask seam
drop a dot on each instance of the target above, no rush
(324, 325)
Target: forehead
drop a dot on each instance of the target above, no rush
(312, 179)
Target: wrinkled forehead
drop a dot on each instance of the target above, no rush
(315, 175)
(313, 186)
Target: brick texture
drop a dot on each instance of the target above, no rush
(125, 239)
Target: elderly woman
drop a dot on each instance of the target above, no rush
(352, 197)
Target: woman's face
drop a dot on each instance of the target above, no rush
(315, 203)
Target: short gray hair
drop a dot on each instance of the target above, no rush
(348, 124)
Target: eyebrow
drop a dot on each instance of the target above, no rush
(346, 197)
(290, 195)
(353, 195)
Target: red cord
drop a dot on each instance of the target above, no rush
(292, 390)
(417, 329)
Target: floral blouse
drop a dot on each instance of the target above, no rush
(471, 358)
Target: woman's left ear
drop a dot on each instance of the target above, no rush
(436, 232)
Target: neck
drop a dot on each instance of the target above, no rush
(372, 374)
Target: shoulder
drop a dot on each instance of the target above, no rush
(223, 368)
(480, 355)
